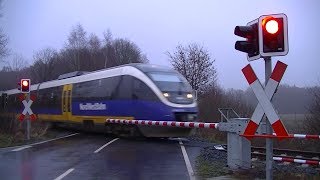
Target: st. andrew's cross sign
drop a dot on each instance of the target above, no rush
(264, 96)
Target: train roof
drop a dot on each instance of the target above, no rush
(75, 77)
(151, 67)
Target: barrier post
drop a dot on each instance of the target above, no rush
(239, 148)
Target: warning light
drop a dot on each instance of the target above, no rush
(273, 35)
(264, 37)
(25, 85)
(272, 26)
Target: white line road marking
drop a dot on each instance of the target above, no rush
(54, 139)
(187, 161)
(96, 151)
(22, 148)
(30, 145)
(64, 174)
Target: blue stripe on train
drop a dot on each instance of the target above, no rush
(139, 109)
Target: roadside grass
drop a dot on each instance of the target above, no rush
(293, 175)
(206, 168)
(5, 140)
(13, 132)
(213, 136)
(19, 138)
(211, 164)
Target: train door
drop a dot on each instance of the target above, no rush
(67, 101)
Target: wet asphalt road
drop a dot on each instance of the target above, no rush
(75, 158)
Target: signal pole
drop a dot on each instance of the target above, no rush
(266, 36)
(28, 118)
(269, 141)
(24, 87)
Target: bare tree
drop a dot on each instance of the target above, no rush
(77, 38)
(108, 51)
(3, 45)
(3, 39)
(95, 49)
(313, 120)
(195, 64)
(94, 43)
(108, 38)
(77, 43)
(17, 63)
(44, 65)
(126, 52)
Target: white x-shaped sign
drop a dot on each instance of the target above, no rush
(27, 107)
(264, 97)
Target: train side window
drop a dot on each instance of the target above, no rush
(124, 89)
(85, 90)
(55, 96)
(109, 87)
(76, 95)
(142, 92)
(97, 90)
(118, 87)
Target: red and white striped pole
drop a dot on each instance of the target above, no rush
(301, 161)
(165, 123)
(274, 135)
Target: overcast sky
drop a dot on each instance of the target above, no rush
(159, 26)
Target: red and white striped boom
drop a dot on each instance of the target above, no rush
(165, 123)
(297, 136)
(301, 161)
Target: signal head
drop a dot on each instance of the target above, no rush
(273, 35)
(251, 44)
(25, 85)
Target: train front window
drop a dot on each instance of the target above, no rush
(173, 86)
(170, 82)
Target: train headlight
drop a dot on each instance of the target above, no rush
(189, 96)
(166, 94)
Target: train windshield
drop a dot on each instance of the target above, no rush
(170, 82)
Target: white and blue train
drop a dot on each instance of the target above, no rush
(133, 91)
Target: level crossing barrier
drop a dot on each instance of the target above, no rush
(165, 123)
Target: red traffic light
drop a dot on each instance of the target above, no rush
(25, 85)
(273, 35)
(272, 26)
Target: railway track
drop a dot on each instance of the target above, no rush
(284, 155)
(288, 152)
